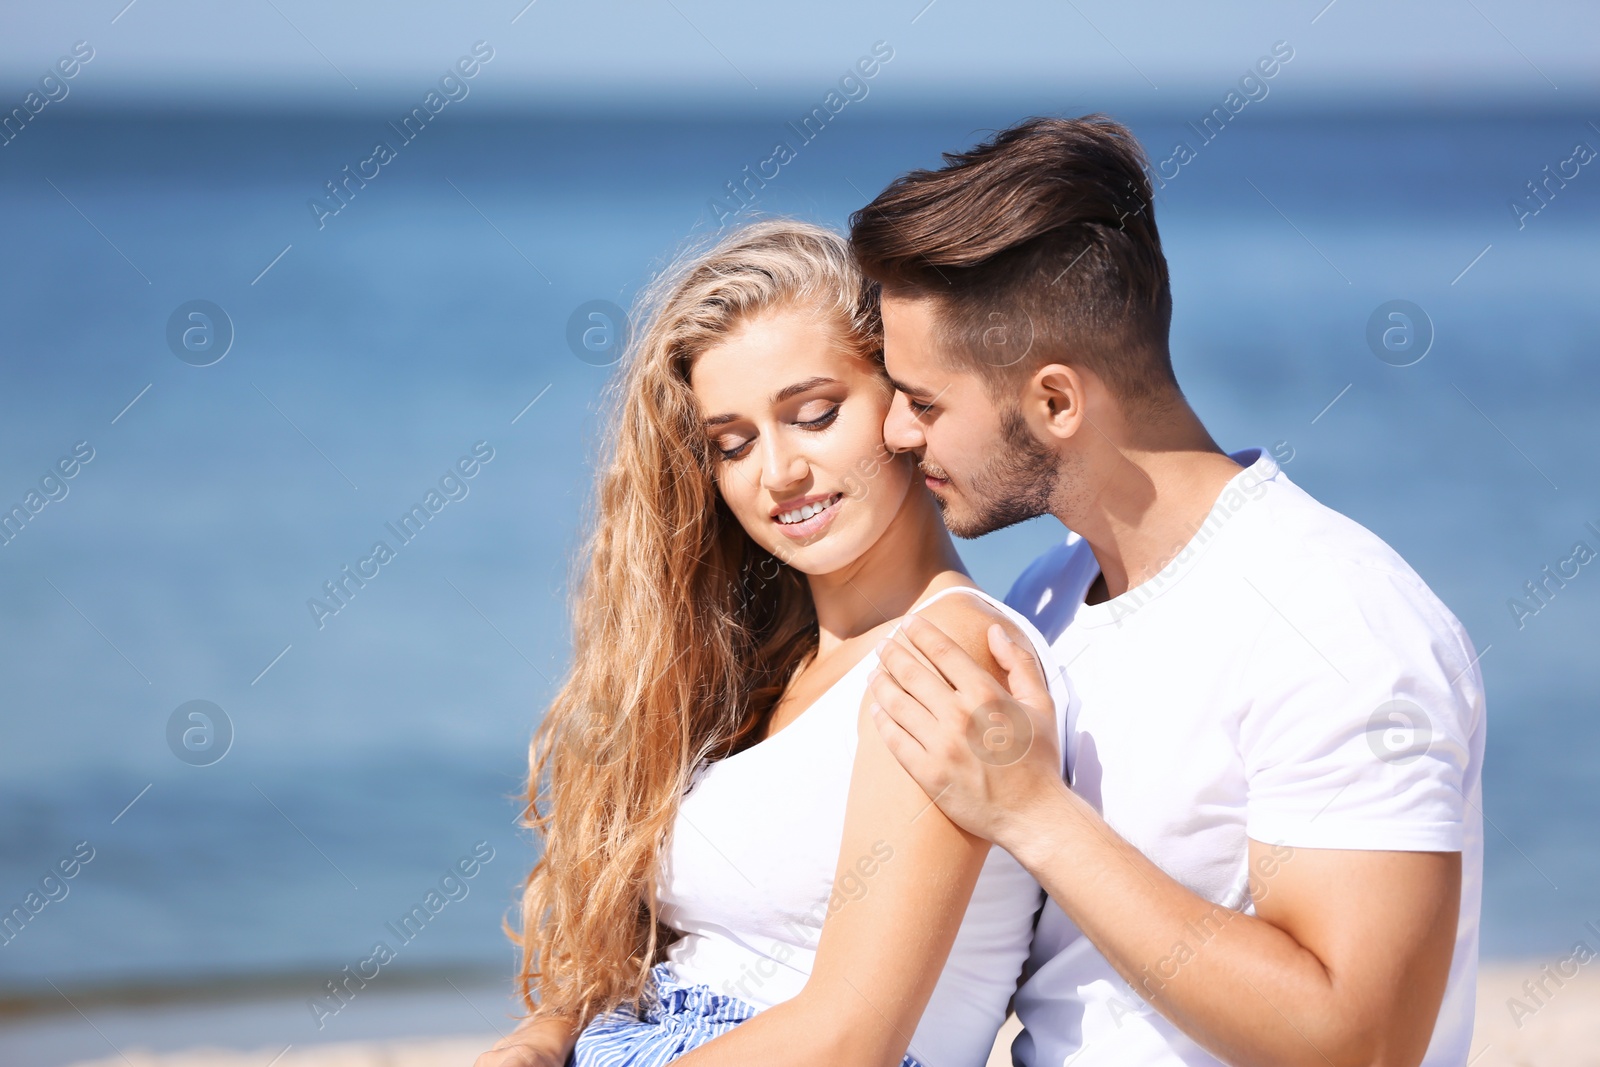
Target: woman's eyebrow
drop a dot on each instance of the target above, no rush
(801, 387)
(779, 397)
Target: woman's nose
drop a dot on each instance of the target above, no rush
(782, 466)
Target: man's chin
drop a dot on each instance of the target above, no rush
(958, 520)
(962, 521)
(969, 525)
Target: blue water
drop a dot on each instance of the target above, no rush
(378, 350)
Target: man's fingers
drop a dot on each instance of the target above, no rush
(1024, 677)
(906, 711)
(923, 684)
(950, 658)
(902, 745)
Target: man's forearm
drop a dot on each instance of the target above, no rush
(1239, 986)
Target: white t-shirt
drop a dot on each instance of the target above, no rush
(1287, 678)
(748, 877)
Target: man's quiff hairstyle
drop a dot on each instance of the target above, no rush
(1036, 246)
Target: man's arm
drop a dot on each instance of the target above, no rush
(1344, 962)
(1343, 965)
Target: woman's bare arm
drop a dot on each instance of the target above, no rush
(539, 1042)
(883, 945)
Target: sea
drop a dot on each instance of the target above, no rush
(250, 390)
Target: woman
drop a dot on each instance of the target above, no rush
(735, 869)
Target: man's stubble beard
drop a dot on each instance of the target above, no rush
(1022, 482)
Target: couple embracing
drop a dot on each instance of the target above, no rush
(810, 796)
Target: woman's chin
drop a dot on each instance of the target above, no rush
(830, 552)
(815, 560)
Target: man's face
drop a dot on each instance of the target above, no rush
(984, 466)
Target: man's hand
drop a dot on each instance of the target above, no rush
(984, 754)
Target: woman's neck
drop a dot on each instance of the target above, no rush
(889, 577)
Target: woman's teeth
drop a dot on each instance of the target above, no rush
(801, 514)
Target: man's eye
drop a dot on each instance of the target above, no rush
(920, 409)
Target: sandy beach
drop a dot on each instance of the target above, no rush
(1519, 1024)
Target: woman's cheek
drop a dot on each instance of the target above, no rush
(738, 493)
(728, 489)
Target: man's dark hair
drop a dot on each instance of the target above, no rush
(1038, 245)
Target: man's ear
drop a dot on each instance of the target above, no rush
(1055, 395)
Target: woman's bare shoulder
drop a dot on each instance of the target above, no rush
(965, 618)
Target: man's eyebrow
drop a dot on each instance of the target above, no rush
(908, 390)
(779, 397)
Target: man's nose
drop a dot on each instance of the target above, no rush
(901, 430)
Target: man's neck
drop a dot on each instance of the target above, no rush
(1142, 506)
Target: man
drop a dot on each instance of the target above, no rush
(1270, 851)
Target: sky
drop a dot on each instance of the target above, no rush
(722, 56)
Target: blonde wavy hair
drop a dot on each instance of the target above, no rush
(685, 631)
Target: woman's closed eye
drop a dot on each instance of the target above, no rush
(733, 446)
(818, 422)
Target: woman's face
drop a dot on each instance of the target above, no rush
(795, 423)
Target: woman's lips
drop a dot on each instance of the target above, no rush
(815, 524)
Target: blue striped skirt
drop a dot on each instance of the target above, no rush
(683, 1017)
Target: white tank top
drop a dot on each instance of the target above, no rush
(749, 871)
